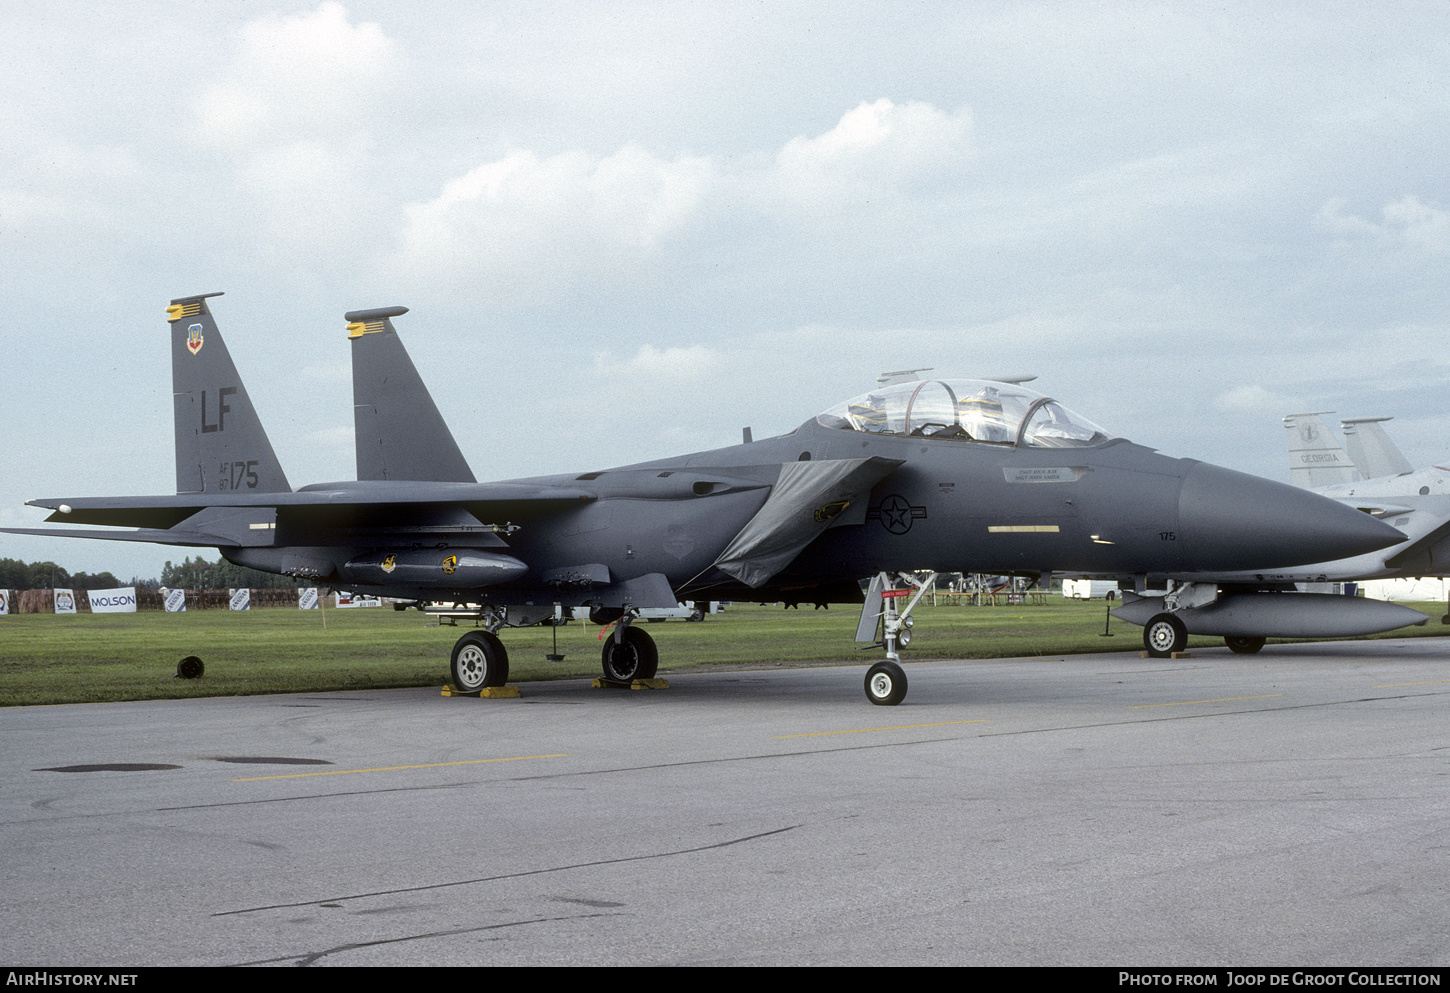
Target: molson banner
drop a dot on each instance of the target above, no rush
(65, 601)
(175, 601)
(240, 599)
(307, 597)
(118, 601)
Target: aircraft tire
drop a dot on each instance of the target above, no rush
(1163, 635)
(886, 684)
(479, 660)
(635, 657)
(1243, 645)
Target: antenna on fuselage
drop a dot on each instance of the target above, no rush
(901, 376)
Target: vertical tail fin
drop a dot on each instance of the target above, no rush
(220, 444)
(1315, 456)
(1373, 453)
(400, 434)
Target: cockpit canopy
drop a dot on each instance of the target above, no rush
(965, 410)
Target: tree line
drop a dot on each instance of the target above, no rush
(192, 574)
(18, 575)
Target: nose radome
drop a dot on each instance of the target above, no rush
(1232, 521)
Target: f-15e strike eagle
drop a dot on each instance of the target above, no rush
(945, 475)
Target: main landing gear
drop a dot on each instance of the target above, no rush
(480, 661)
(629, 654)
(1163, 635)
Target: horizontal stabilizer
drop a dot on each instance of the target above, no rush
(382, 512)
(156, 536)
(210, 527)
(399, 432)
(343, 500)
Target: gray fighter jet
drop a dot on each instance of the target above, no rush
(1246, 607)
(949, 475)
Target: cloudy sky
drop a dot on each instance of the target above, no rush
(627, 230)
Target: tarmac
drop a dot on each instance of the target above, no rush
(1285, 808)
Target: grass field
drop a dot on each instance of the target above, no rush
(47, 658)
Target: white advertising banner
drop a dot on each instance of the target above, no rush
(117, 601)
(358, 600)
(4, 601)
(307, 598)
(241, 599)
(175, 600)
(65, 601)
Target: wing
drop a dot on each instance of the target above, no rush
(346, 511)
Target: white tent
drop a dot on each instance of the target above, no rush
(1405, 589)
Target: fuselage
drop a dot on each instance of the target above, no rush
(1112, 509)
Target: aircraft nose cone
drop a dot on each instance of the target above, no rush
(1232, 521)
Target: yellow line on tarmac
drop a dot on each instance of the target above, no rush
(1385, 686)
(1190, 703)
(901, 727)
(398, 768)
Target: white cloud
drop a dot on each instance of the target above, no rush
(520, 224)
(291, 114)
(871, 151)
(298, 76)
(1407, 221)
(1419, 224)
(1252, 398)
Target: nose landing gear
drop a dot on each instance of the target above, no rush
(886, 681)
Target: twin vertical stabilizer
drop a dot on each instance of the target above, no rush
(220, 444)
(400, 434)
(1315, 455)
(1373, 453)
